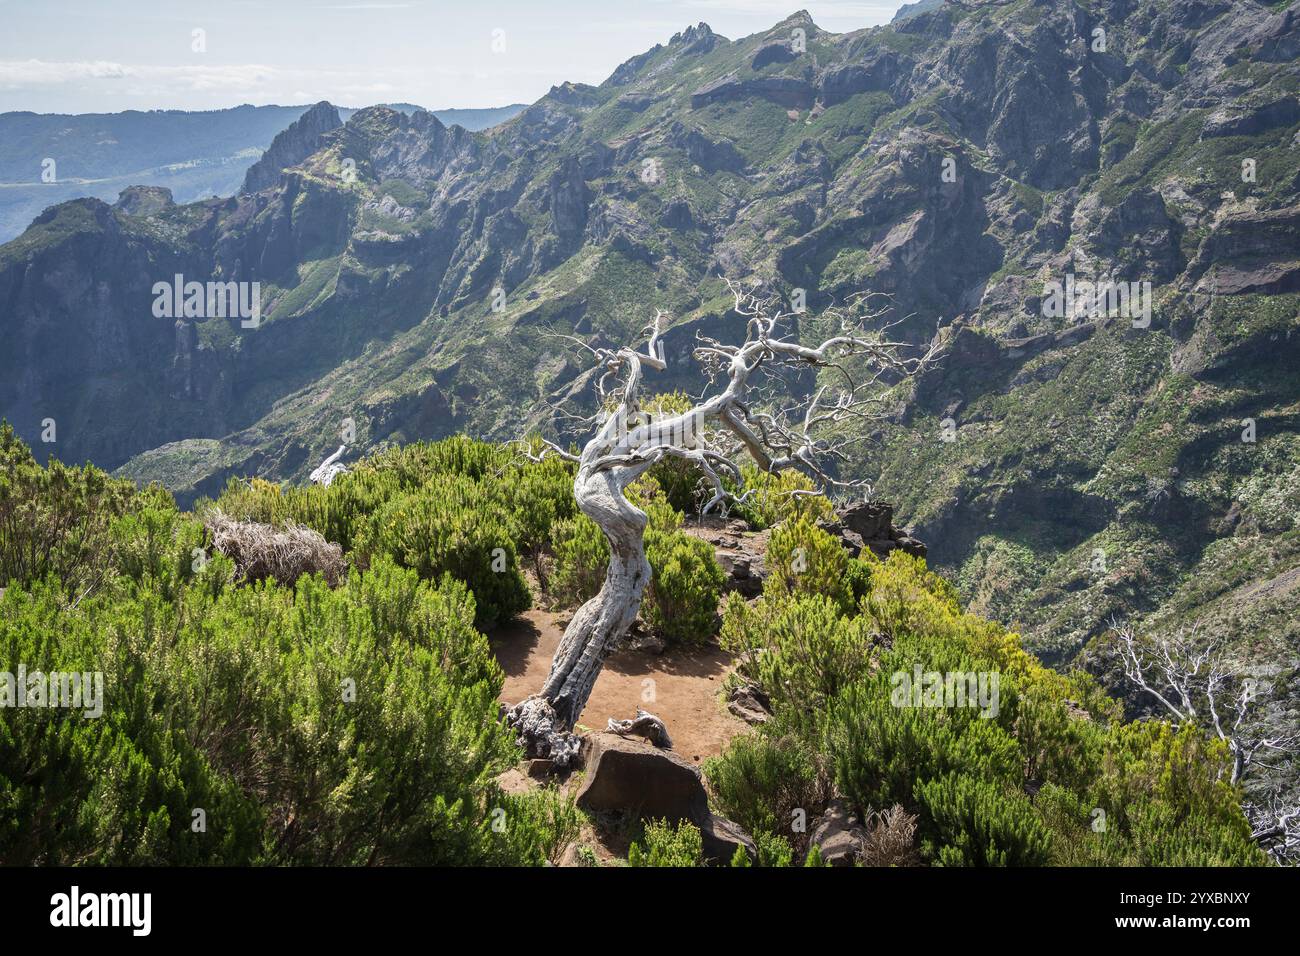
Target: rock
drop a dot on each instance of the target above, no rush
(540, 767)
(778, 51)
(750, 704)
(869, 519)
(739, 552)
(839, 835)
(869, 525)
(627, 774)
(647, 643)
(636, 102)
(721, 837)
(292, 146)
(1235, 122)
(707, 153)
(143, 200)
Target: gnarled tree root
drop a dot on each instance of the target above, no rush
(541, 732)
(643, 725)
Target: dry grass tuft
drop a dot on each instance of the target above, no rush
(890, 839)
(262, 551)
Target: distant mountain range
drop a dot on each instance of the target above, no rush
(194, 154)
(977, 163)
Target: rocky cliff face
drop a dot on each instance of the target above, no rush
(965, 161)
(292, 146)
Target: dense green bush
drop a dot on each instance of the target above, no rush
(977, 823)
(353, 725)
(768, 499)
(804, 559)
(667, 845)
(1021, 777)
(762, 781)
(54, 520)
(581, 560)
(681, 603)
(801, 650)
(450, 485)
(451, 526)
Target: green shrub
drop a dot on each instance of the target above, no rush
(804, 559)
(769, 499)
(313, 725)
(975, 822)
(667, 845)
(762, 782)
(452, 527)
(801, 650)
(681, 603)
(54, 520)
(531, 829)
(581, 560)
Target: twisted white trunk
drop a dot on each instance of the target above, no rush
(545, 721)
(625, 446)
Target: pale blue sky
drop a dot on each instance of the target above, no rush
(80, 56)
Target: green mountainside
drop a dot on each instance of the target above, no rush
(960, 160)
(195, 154)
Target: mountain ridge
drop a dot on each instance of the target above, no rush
(806, 161)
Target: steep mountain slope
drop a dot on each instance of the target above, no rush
(194, 154)
(961, 160)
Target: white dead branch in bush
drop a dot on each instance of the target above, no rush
(261, 551)
(330, 468)
(712, 435)
(1194, 683)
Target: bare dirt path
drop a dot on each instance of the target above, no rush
(687, 683)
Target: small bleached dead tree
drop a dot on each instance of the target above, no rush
(1194, 683)
(712, 436)
(329, 469)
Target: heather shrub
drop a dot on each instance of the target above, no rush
(54, 520)
(975, 822)
(801, 650)
(803, 559)
(451, 526)
(769, 499)
(581, 556)
(665, 844)
(681, 603)
(312, 725)
(1028, 767)
(767, 782)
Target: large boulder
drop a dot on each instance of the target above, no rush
(869, 525)
(628, 775)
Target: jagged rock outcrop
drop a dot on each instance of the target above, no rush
(292, 146)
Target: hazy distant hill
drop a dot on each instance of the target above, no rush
(194, 154)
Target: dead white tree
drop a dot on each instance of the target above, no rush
(711, 435)
(329, 469)
(1194, 683)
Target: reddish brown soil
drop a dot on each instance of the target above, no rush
(687, 684)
